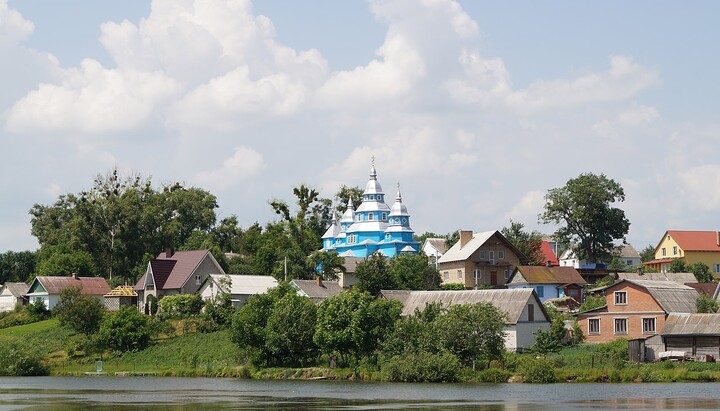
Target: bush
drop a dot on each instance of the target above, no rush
(538, 370)
(125, 330)
(423, 367)
(181, 305)
(78, 311)
(37, 311)
(494, 375)
(21, 360)
(452, 286)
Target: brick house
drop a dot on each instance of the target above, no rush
(486, 258)
(636, 309)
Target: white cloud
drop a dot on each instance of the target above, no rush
(527, 209)
(627, 119)
(13, 26)
(244, 164)
(701, 187)
(54, 190)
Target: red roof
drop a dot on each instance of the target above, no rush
(696, 240)
(88, 285)
(548, 253)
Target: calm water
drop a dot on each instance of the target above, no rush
(150, 393)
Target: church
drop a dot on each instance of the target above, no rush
(372, 226)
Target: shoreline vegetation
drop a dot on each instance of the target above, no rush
(188, 355)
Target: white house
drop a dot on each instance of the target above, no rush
(11, 294)
(525, 313)
(434, 248)
(47, 288)
(239, 287)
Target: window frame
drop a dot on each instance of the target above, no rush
(620, 320)
(624, 300)
(459, 274)
(654, 326)
(590, 327)
(501, 254)
(446, 275)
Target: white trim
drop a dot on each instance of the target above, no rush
(627, 325)
(642, 325)
(588, 326)
(615, 293)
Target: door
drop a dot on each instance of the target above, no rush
(493, 277)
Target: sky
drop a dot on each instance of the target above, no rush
(476, 108)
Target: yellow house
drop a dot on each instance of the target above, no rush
(690, 246)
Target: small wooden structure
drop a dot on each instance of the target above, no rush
(121, 296)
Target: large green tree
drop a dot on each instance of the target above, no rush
(17, 266)
(474, 332)
(373, 274)
(413, 272)
(290, 329)
(584, 213)
(79, 312)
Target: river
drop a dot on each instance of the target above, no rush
(199, 394)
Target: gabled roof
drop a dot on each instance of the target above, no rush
(311, 288)
(351, 263)
(627, 251)
(16, 289)
(707, 289)
(671, 296)
(547, 275)
(548, 253)
(694, 240)
(173, 272)
(510, 302)
(692, 324)
(440, 244)
(243, 284)
(458, 253)
(88, 285)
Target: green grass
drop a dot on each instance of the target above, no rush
(29, 329)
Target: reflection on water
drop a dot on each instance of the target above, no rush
(198, 394)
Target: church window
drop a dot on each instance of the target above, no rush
(370, 216)
(384, 216)
(387, 236)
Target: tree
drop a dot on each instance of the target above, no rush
(17, 266)
(677, 266)
(344, 195)
(701, 271)
(290, 329)
(326, 264)
(78, 311)
(647, 253)
(125, 330)
(412, 272)
(583, 210)
(529, 243)
(474, 331)
(592, 302)
(706, 304)
(373, 274)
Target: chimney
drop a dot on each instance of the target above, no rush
(75, 276)
(169, 252)
(318, 281)
(465, 237)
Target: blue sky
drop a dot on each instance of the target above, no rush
(475, 107)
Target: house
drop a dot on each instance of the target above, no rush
(549, 282)
(12, 294)
(479, 259)
(47, 288)
(434, 248)
(690, 246)
(636, 309)
(347, 278)
(173, 273)
(693, 334)
(525, 313)
(317, 289)
(239, 287)
(628, 255)
(680, 278)
(121, 296)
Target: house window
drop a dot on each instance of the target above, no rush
(459, 273)
(540, 290)
(446, 274)
(663, 252)
(481, 254)
(620, 297)
(628, 262)
(491, 257)
(621, 326)
(648, 325)
(674, 250)
(507, 273)
(531, 312)
(594, 326)
(371, 216)
(476, 273)
(501, 255)
(197, 279)
(716, 268)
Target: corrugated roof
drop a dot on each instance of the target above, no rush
(692, 324)
(511, 302)
(550, 275)
(627, 251)
(245, 284)
(16, 289)
(704, 288)
(183, 264)
(351, 263)
(695, 240)
(395, 295)
(315, 291)
(681, 278)
(122, 291)
(672, 297)
(88, 285)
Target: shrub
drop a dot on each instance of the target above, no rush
(494, 375)
(452, 286)
(78, 311)
(538, 370)
(423, 367)
(37, 310)
(181, 305)
(20, 360)
(125, 330)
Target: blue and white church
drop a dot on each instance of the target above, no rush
(372, 227)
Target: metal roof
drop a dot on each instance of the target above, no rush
(681, 278)
(88, 285)
(695, 240)
(692, 324)
(547, 275)
(439, 244)
(458, 253)
(311, 288)
(184, 264)
(672, 297)
(16, 289)
(244, 284)
(511, 302)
